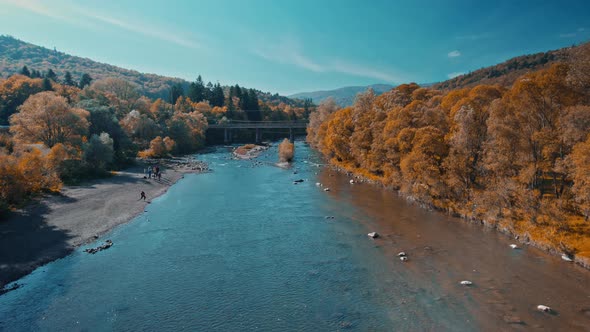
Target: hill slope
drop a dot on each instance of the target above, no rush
(506, 72)
(343, 96)
(14, 54)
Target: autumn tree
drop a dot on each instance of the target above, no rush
(13, 93)
(468, 135)
(187, 130)
(123, 95)
(49, 119)
(581, 176)
(159, 148)
(326, 107)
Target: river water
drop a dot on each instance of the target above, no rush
(243, 248)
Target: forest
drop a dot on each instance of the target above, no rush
(516, 158)
(63, 130)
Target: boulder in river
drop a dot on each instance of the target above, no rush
(299, 181)
(403, 258)
(567, 258)
(351, 181)
(402, 254)
(514, 246)
(326, 189)
(466, 283)
(373, 235)
(543, 308)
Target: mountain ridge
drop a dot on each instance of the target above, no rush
(343, 96)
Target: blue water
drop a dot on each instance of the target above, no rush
(239, 249)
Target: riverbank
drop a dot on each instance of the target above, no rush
(519, 233)
(51, 227)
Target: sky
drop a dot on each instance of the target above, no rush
(290, 46)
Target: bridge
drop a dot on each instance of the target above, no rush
(258, 126)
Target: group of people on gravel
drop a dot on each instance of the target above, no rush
(155, 171)
(149, 172)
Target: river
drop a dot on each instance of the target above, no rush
(243, 248)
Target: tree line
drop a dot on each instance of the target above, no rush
(50, 75)
(516, 158)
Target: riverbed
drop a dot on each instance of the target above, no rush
(244, 248)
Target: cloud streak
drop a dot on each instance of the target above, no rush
(455, 74)
(473, 37)
(578, 32)
(454, 54)
(79, 16)
(146, 31)
(289, 52)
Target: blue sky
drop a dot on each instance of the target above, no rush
(289, 46)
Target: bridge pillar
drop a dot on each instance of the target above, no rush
(291, 137)
(258, 135)
(226, 135)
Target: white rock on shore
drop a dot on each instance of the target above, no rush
(373, 235)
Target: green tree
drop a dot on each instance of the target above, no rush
(47, 84)
(51, 75)
(175, 92)
(196, 90)
(98, 151)
(25, 71)
(68, 79)
(84, 81)
(218, 97)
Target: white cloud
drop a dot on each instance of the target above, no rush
(455, 74)
(80, 16)
(289, 52)
(454, 54)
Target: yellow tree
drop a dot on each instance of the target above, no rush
(581, 175)
(318, 117)
(49, 119)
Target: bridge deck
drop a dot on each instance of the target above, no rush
(263, 125)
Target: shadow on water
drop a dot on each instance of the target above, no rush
(28, 241)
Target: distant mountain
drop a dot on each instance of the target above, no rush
(343, 96)
(507, 72)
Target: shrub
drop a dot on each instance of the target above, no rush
(286, 151)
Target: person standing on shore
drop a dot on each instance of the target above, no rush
(142, 196)
(149, 172)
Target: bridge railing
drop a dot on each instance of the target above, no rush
(259, 124)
